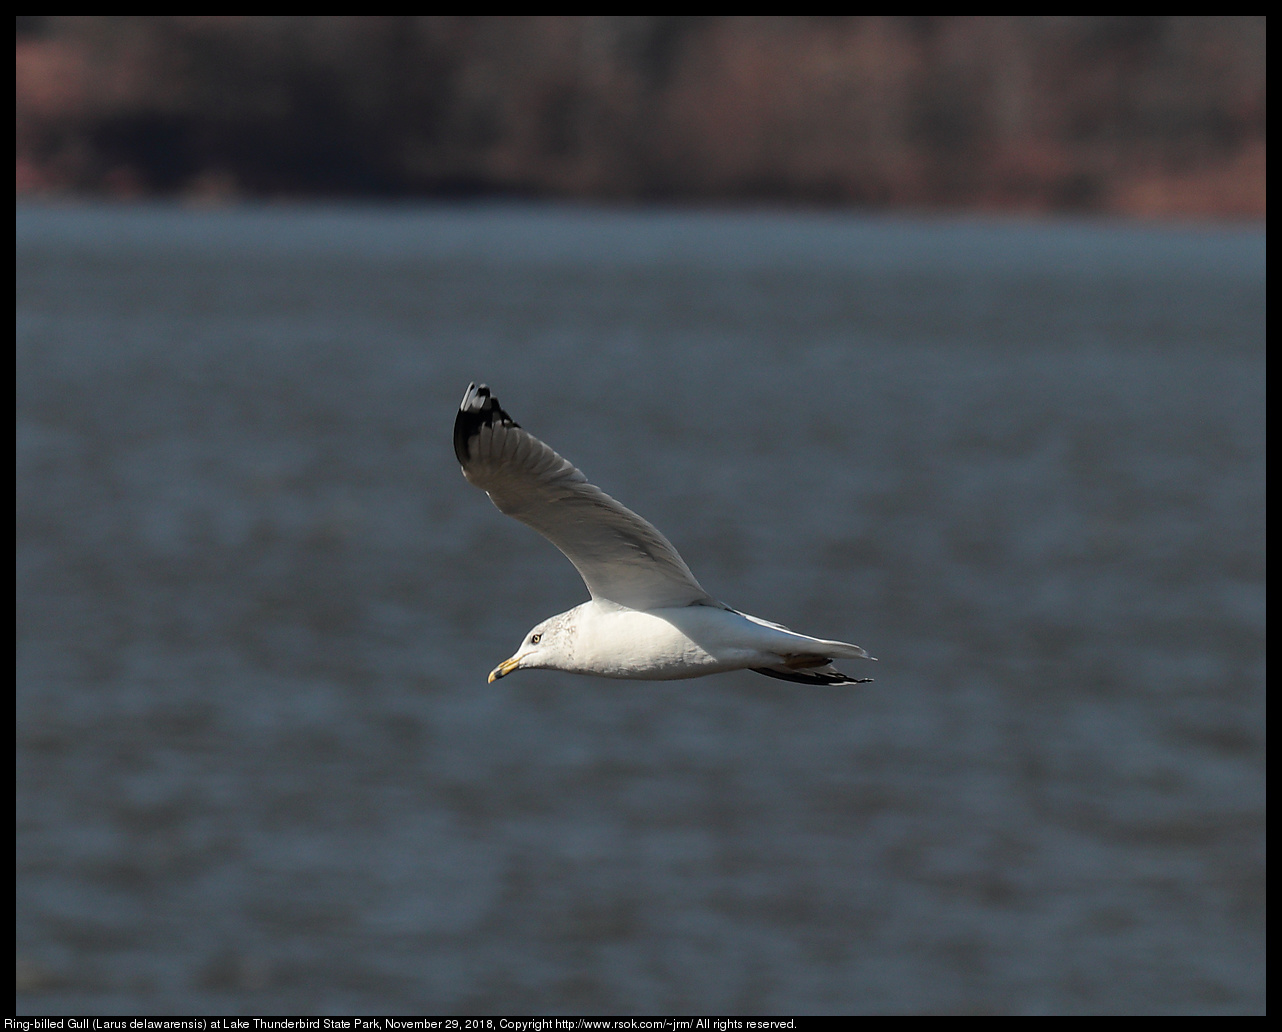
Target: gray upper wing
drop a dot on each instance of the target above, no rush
(620, 556)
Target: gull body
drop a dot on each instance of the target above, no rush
(648, 617)
(678, 642)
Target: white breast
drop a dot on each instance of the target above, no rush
(668, 643)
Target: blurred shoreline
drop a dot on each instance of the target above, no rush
(1160, 117)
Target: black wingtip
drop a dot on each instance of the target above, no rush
(811, 677)
(479, 408)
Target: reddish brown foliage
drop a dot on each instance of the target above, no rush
(1148, 116)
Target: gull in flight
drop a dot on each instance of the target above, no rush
(648, 618)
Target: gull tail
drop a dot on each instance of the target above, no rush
(809, 660)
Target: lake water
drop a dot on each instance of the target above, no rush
(259, 766)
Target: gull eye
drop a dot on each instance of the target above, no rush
(534, 638)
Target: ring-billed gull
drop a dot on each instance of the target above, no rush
(648, 617)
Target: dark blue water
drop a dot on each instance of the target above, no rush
(260, 769)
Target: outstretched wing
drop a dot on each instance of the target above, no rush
(620, 556)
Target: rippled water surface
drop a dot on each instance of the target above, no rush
(259, 767)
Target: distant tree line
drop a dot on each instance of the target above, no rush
(1149, 115)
